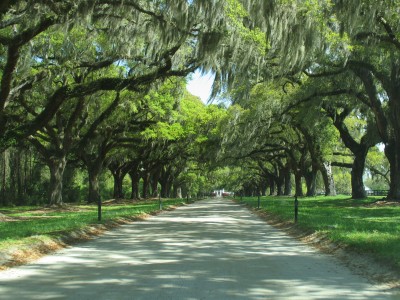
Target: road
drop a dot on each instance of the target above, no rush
(213, 249)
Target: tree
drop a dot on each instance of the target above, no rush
(337, 101)
(367, 51)
(371, 28)
(349, 42)
(171, 43)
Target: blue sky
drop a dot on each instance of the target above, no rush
(200, 85)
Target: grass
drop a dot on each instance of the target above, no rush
(32, 221)
(363, 227)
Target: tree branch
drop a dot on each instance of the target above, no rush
(341, 164)
(389, 31)
(324, 74)
(378, 172)
(104, 115)
(354, 65)
(5, 5)
(342, 154)
(8, 72)
(13, 55)
(73, 118)
(316, 95)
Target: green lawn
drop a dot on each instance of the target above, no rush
(41, 222)
(363, 227)
(367, 229)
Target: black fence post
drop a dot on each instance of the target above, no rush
(99, 209)
(258, 201)
(187, 198)
(296, 208)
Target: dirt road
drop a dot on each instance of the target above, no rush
(213, 249)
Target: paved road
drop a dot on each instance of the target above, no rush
(213, 249)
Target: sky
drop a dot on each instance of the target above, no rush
(200, 85)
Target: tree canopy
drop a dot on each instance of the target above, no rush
(94, 85)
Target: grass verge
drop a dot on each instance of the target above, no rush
(27, 233)
(366, 226)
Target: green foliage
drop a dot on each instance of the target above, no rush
(80, 53)
(236, 14)
(342, 179)
(161, 107)
(377, 177)
(228, 178)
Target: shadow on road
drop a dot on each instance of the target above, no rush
(213, 249)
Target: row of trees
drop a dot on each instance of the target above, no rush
(157, 140)
(279, 144)
(95, 85)
(323, 94)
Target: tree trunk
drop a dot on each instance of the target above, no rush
(392, 152)
(146, 185)
(263, 187)
(164, 188)
(57, 167)
(119, 170)
(248, 189)
(94, 187)
(135, 178)
(311, 182)
(184, 191)
(94, 168)
(388, 124)
(327, 176)
(393, 144)
(392, 148)
(118, 180)
(299, 187)
(272, 189)
(178, 192)
(94, 165)
(4, 179)
(271, 186)
(13, 198)
(357, 172)
(18, 170)
(154, 183)
(169, 188)
(280, 180)
(288, 184)
(165, 182)
(279, 186)
(26, 175)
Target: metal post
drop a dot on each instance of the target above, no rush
(99, 209)
(187, 198)
(258, 202)
(296, 208)
(160, 201)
